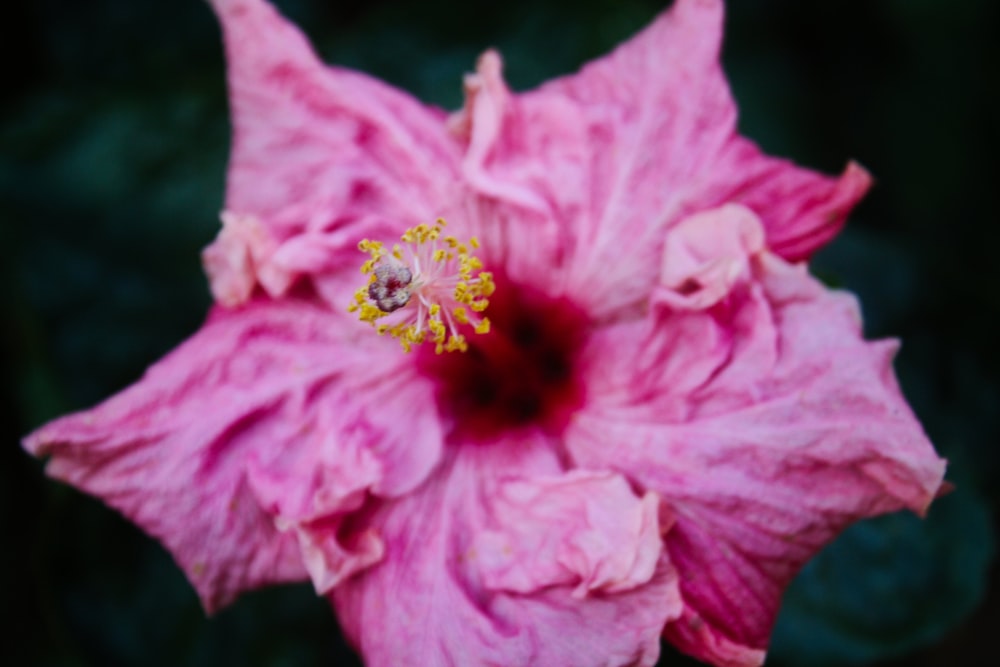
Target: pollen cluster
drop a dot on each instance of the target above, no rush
(431, 287)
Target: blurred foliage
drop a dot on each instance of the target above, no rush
(887, 586)
(113, 143)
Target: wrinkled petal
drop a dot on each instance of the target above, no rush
(245, 254)
(265, 387)
(706, 254)
(513, 213)
(802, 210)
(732, 422)
(599, 164)
(442, 596)
(488, 101)
(791, 427)
(311, 492)
(322, 150)
(581, 527)
(234, 262)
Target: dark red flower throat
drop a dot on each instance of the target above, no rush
(524, 373)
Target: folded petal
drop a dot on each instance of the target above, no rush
(462, 583)
(511, 147)
(319, 149)
(599, 164)
(582, 528)
(706, 254)
(236, 262)
(267, 387)
(789, 428)
(313, 491)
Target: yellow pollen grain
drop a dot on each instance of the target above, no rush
(436, 312)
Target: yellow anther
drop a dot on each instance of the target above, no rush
(432, 282)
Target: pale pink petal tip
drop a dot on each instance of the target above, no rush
(585, 529)
(706, 254)
(231, 261)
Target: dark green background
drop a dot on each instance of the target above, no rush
(113, 139)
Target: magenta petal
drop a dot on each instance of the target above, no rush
(317, 147)
(797, 431)
(801, 209)
(267, 386)
(461, 584)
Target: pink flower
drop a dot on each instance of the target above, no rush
(665, 419)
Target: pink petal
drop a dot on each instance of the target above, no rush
(507, 143)
(789, 429)
(449, 593)
(488, 104)
(233, 262)
(706, 254)
(616, 154)
(318, 148)
(582, 528)
(313, 490)
(802, 210)
(270, 386)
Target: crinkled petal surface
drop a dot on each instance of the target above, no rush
(615, 155)
(762, 419)
(193, 451)
(321, 156)
(731, 421)
(460, 585)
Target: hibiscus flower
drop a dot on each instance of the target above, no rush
(621, 410)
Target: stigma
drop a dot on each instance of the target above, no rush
(428, 289)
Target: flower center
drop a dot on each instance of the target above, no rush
(429, 289)
(523, 374)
